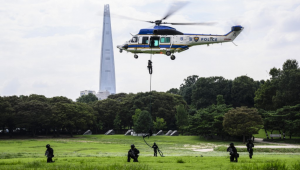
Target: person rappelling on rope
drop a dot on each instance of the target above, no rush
(150, 66)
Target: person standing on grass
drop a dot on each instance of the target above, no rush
(49, 154)
(233, 153)
(250, 147)
(133, 153)
(155, 147)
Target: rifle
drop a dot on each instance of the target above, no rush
(230, 151)
(131, 153)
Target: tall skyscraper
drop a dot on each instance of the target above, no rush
(107, 63)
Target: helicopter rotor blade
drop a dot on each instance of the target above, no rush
(174, 8)
(193, 23)
(128, 18)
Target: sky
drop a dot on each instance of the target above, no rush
(52, 47)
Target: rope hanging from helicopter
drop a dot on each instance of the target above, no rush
(150, 69)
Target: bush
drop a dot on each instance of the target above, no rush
(180, 161)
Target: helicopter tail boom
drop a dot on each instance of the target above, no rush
(235, 31)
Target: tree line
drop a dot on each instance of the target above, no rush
(37, 113)
(276, 100)
(200, 106)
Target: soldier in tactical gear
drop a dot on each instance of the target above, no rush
(250, 147)
(233, 153)
(49, 154)
(133, 153)
(150, 66)
(155, 147)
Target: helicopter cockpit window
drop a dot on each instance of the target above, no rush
(134, 39)
(145, 40)
(167, 39)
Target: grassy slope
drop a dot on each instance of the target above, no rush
(86, 152)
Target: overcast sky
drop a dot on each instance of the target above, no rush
(52, 47)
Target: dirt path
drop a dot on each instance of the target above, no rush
(260, 140)
(256, 142)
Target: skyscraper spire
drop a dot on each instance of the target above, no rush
(107, 63)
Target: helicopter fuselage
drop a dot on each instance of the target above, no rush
(160, 41)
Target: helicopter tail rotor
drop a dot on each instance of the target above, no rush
(240, 21)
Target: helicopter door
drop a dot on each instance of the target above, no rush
(154, 42)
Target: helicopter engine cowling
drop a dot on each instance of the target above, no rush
(166, 32)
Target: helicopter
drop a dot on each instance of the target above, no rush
(167, 40)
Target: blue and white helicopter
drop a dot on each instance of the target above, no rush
(167, 40)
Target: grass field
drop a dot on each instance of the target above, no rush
(293, 140)
(109, 152)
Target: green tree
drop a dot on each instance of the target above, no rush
(126, 108)
(285, 120)
(159, 124)
(182, 118)
(173, 91)
(220, 100)
(288, 90)
(11, 119)
(5, 112)
(242, 121)
(33, 115)
(87, 98)
(136, 116)
(144, 122)
(117, 122)
(186, 89)
(106, 112)
(290, 119)
(264, 95)
(73, 116)
(208, 121)
(205, 91)
(283, 89)
(163, 105)
(242, 91)
(60, 99)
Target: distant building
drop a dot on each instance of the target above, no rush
(107, 63)
(86, 92)
(103, 95)
(107, 84)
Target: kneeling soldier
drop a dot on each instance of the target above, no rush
(133, 153)
(233, 153)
